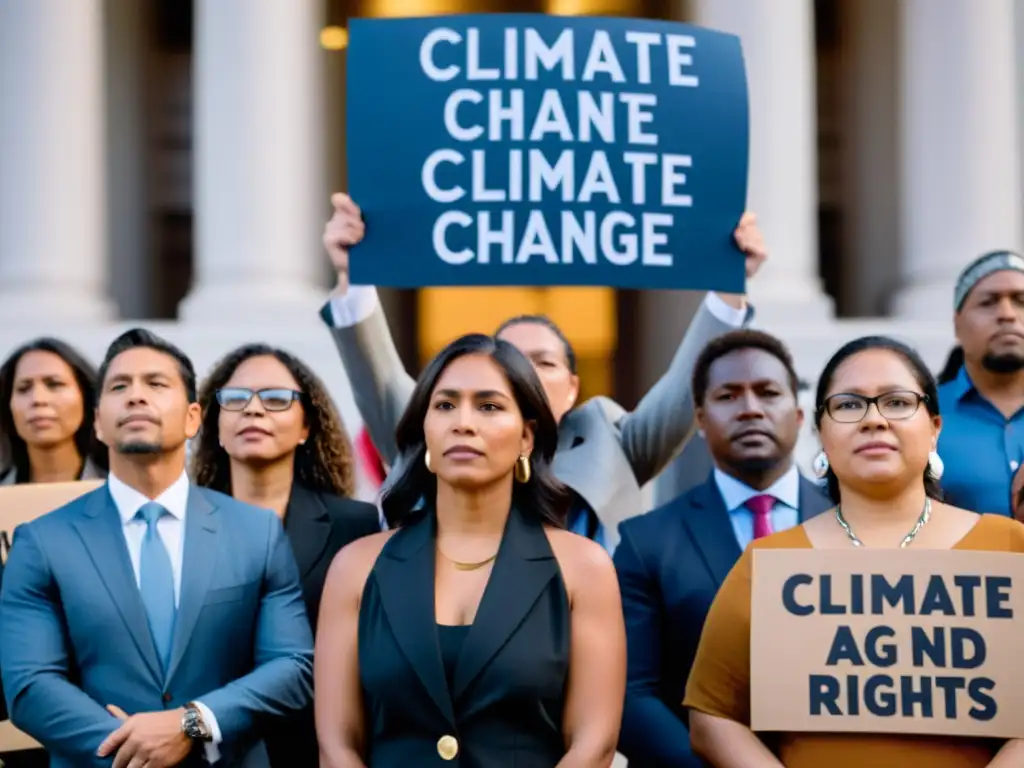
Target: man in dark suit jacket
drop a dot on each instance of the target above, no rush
(672, 560)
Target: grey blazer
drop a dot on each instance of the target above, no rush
(605, 453)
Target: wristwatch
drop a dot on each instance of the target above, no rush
(193, 725)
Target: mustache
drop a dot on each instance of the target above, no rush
(754, 432)
(138, 417)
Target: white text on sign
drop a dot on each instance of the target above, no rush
(607, 128)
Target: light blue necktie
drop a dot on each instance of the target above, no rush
(156, 582)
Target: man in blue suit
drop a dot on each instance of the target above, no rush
(672, 560)
(151, 622)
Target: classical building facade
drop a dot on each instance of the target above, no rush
(169, 162)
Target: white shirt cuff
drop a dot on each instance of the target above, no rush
(210, 747)
(353, 306)
(724, 312)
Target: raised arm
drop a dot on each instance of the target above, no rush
(597, 664)
(381, 386)
(281, 683)
(36, 661)
(664, 419)
(340, 722)
(651, 732)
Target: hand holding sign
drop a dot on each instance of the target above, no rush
(344, 229)
(751, 242)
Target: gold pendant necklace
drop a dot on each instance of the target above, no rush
(460, 566)
(924, 517)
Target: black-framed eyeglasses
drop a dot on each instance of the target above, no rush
(849, 408)
(238, 398)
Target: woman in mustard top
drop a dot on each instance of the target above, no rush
(878, 418)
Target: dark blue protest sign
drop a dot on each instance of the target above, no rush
(520, 149)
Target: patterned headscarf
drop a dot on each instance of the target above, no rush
(982, 267)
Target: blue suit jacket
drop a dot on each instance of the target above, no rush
(74, 635)
(671, 562)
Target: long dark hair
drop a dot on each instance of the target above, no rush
(13, 450)
(954, 363)
(917, 367)
(542, 497)
(323, 463)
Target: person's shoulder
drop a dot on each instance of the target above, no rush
(654, 520)
(351, 512)
(351, 567)
(67, 512)
(791, 538)
(582, 560)
(998, 533)
(949, 392)
(225, 504)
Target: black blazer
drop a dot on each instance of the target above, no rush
(671, 562)
(504, 705)
(317, 525)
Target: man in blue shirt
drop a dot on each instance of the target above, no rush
(982, 407)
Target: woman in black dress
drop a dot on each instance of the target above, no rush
(477, 631)
(272, 437)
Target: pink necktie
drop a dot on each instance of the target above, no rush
(762, 506)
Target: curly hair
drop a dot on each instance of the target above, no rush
(324, 463)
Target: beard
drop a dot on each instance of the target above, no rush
(1005, 363)
(756, 465)
(140, 448)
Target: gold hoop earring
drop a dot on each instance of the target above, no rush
(522, 470)
(426, 460)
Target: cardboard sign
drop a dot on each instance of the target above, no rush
(20, 504)
(524, 149)
(887, 641)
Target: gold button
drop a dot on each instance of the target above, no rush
(447, 747)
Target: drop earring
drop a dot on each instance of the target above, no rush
(820, 465)
(936, 466)
(426, 460)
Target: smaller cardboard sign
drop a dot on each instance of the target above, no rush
(20, 504)
(887, 641)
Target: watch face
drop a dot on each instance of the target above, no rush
(193, 724)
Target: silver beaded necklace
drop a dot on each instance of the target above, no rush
(926, 515)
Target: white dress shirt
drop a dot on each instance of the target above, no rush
(171, 528)
(359, 301)
(785, 513)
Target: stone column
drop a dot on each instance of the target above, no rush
(260, 196)
(869, 111)
(778, 47)
(52, 191)
(960, 145)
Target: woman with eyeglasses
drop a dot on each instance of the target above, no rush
(271, 436)
(878, 417)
